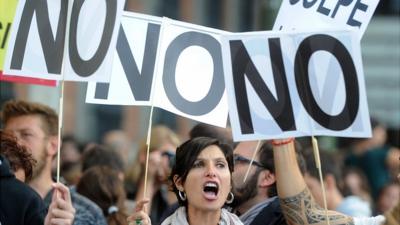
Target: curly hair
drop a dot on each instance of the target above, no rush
(16, 108)
(18, 156)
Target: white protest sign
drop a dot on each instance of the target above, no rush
(133, 68)
(313, 15)
(189, 73)
(36, 44)
(92, 39)
(287, 84)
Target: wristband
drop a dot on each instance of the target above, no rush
(280, 143)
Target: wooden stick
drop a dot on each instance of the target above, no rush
(321, 180)
(148, 140)
(252, 160)
(60, 124)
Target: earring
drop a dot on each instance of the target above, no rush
(230, 200)
(182, 195)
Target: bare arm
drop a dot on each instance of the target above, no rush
(298, 205)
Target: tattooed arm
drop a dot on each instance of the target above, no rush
(298, 205)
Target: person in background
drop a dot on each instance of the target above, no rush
(393, 216)
(375, 158)
(104, 156)
(71, 151)
(351, 205)
(297, 202)
(20, 204)
(70, 163)
(119, 141)
(101, 155)
(36, 127)
(102, 185)
(388, 197)
(256, 201)
(71, 172)
(355, 183)
(162, 148)
(201, 180)
(205, 130)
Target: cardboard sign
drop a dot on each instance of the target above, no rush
(322, 14)
(36, 47)
(134, 63)
(27, 80)
(189, 74)
(295, 84)
(92, 39)
(7, 11)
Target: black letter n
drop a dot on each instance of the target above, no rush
(53, 48)
(242, 66)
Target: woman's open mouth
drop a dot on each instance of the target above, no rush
(210, 190)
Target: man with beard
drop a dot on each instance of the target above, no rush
(36, 127)
(20, 204)
(256, 201)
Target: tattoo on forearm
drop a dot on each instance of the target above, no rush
(301, 209)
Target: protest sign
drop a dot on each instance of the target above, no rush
(7, 11)
(189, 74)
(134, 63)
(322, 14)
(295, 84)
(93, 32)
(36, 45)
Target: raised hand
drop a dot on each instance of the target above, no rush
(140, 217)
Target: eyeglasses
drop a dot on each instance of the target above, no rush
(240, 159)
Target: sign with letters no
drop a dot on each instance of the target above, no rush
(39, 33)
(295, 84)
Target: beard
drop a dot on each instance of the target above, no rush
(39, 166)
(247, 191)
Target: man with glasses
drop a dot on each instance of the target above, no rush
(36, 128)
(256, 201)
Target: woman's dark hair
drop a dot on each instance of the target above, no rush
(102, 185)
(101, 155)
(186, 155)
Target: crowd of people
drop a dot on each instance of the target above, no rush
(196, 181)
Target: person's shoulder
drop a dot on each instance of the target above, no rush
(19, 189)
(87, 212)
(377, 220)
(21, 201)
(230, 218)
(271, 214)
